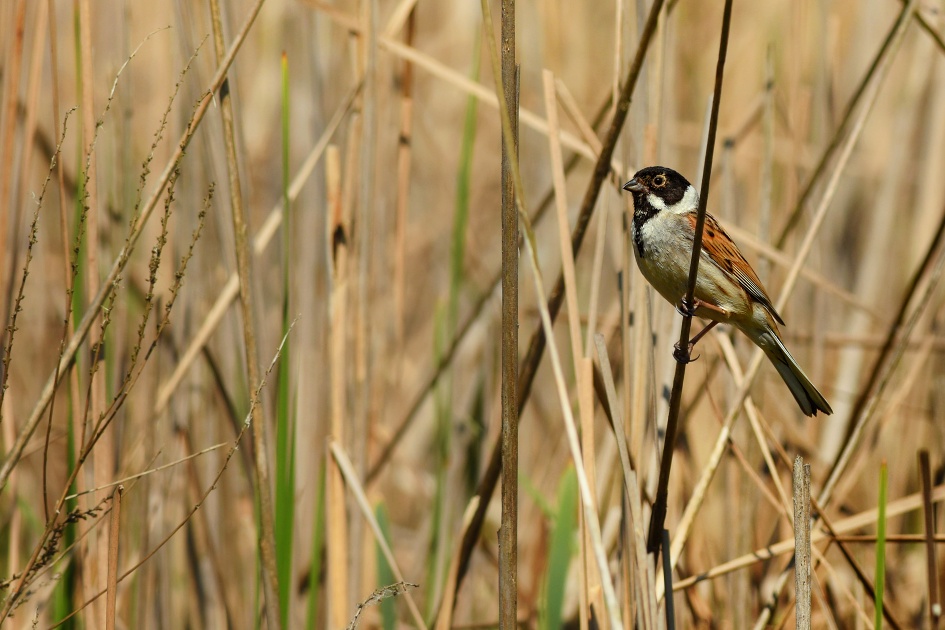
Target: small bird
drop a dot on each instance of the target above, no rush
(727, 291)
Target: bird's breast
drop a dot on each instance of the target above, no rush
(662, 247)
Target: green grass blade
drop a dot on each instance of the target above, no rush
(285, 427)
(69, 580)
(463, 180)
(560, 551)
(881, 546)
(385, 575)
(436, 563)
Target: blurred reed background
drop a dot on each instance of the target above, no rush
(365, 144)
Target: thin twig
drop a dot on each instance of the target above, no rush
(928, 513)
(658, 516)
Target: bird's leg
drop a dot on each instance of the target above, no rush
(702, 333)
(685, 356)
(684, 308)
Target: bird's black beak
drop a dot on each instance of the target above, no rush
(633, 186)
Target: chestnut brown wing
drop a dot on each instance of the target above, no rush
(724, 254)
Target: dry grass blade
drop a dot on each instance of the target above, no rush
(444, 620)
(114, 529)
(336, 517)
(11, 83)
(646, 602)
(626, 463)
(354, 484)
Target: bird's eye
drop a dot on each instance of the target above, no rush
(659, 181)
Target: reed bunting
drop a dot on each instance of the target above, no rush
(727, 291)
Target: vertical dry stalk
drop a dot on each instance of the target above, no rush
(15, 527)
(11, 84)
(928, 512)
(508, 532)
(583, 367)
(69, 322)
(366, 237)
(336, 526)
(585, 390)
(647, 599)
(444, 619)
(802, 548)
(635, 557)
(586, 493)
(114, 529)
(404, 149)
(243, 260)
(102, 462)
(29, 130)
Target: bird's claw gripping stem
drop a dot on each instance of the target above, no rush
(687, 308)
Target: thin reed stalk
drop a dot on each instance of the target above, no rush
(508, 530)
(266, 534)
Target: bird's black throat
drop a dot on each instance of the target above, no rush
(643, 211)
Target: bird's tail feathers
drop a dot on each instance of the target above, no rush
(808, 398)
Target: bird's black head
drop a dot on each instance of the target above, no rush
(665, 183)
